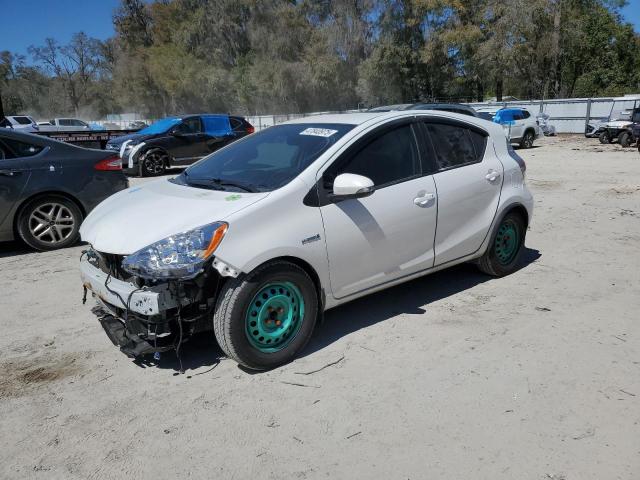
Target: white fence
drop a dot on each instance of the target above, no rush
(569, 115)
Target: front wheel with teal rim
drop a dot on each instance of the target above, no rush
(503, 253)
(274, 316)
(264, 318)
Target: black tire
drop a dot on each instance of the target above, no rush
(49, 222)
(490, 263)
(624, 139)
(528, 139)
(153, 162)
(229, 319)
(604, 138)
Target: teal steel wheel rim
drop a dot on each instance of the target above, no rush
(507, 242)
(274, 316)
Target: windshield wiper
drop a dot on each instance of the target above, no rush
(218, 182)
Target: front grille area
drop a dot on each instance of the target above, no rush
(112, 265)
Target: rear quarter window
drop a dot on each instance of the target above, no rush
(23, 120)
(455, 146)
(21, 149)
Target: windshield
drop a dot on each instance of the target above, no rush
(618, 116)
(161, 126)
(266, 160)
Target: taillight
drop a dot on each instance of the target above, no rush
(250, 129)
(110, 163)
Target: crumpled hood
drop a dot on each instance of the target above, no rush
(139, 216)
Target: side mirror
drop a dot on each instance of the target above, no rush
(350, 185)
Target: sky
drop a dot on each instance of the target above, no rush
(29, 22)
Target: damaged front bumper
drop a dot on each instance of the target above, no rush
(151, 318)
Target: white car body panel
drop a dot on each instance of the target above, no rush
(381, 237)
(161, 209)
(467, 204)
(354, 247)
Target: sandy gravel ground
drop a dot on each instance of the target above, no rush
(456, 375)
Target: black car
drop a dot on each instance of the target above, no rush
(447, 107)
(177, 141)
(47, 188)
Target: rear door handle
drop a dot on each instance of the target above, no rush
(9, 173)
(424, 200)
(492, 176)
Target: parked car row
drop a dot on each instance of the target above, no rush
(26, 123)
(347, 189)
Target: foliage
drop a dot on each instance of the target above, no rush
(286, 56)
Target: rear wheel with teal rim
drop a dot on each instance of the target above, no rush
(263, 319)
(274, 316)
(503, 254)
(507, 242)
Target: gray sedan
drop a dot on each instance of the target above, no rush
(48, 187)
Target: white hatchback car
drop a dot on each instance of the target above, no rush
(256, 240)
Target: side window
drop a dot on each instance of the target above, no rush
(518, 115)
(390, 158)
(20, 149)
(526, 114)
(453, 145)
(236, 124)
(23, 120)
(63, 122)
(5, 152)
(190, 125)
(479, 144)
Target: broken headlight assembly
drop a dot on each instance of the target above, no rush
(179, 256)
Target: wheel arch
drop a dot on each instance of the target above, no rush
(520, 210)
(150, 147)
(309, 270)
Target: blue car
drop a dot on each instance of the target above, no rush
(520, 126)
(177, 141)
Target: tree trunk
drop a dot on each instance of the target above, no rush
(555, 49)
(499, 83)
(1, 107)
(480, 86)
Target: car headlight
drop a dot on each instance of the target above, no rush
(179, 256)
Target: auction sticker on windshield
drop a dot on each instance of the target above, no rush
(318, 132)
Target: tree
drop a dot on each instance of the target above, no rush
(75, 65)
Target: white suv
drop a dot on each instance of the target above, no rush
(519, 125)
(256, 240)
(24, 123)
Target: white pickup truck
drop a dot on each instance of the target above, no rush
(65, 125)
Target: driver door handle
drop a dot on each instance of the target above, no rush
(492, 176)
(9, 173)
(424, 200)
